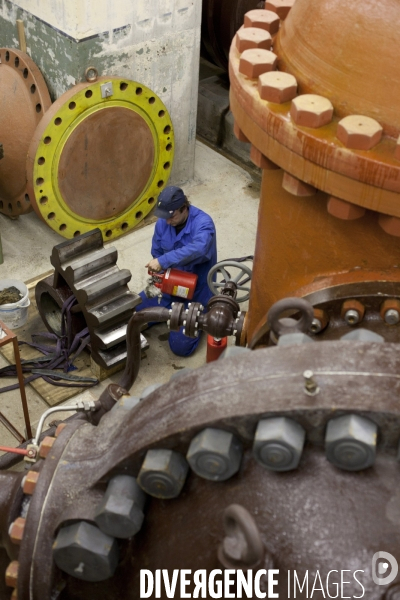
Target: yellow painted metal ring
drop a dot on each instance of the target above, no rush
(63, 187)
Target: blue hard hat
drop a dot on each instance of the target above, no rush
(170, 199)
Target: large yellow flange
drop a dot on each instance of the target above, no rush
(99, 158)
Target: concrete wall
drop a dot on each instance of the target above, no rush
(155, 42)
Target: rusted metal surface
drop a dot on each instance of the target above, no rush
(24, 98)
(84, 458)
(301, 117)
(98, 140)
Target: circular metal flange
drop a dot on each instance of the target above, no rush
(100, 157)
(24, 98)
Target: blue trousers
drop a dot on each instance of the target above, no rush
(180, 344)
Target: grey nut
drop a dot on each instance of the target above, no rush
(231, 351)
(362, 335)
(215, 454)
(294, 339)
(278, 443)
(163, 473)
(350, 442)
(85, 552)
(149, 390)
(120, 513)
(126, 403)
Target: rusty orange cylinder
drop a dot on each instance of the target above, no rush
(329, 147)
(215, 347)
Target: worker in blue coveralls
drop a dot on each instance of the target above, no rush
(184, 238)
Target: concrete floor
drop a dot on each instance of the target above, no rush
(221, 188)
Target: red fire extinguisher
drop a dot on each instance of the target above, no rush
(175, 282)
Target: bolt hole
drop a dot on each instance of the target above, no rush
(139, 91)
(72, 105)
(150, 200)
(139, 215)
(57, 121)
(47, 139)
(166, 165)
(16, 61)
(7, 56)
(27, 199)
(88, 94)
(124, 226)
(108, 233)
(18, 204)
(9, 207)
(161, 113)
(51, 216)
(38, 108)
(62, 227)
(1, 204)
(43, 200)
(160, 183)
(41, 160)
(33, 88)
(39, 181)
(76, 233)
(167, 129)
(123, 86)
(25, 73)
(168, 147)
(152, 100)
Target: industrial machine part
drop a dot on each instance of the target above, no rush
(87, 270)
(24, 100)
(314, 477)
(328, 227)
(175, 282)
(238, 272)
(99, 157)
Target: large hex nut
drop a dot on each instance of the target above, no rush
(344, 210)
(85, 552)
(46, 446)
(278, 443)
(261, 161)
(120, 513)
(163, 473)
(232, 351)
(350, 442)
(311, 110)
(359, 132)
(253, 37)
(390, 225)
(263, 19)
(362, 335)
(215, 454)
(12, 574)
(294, 339)
(255, 61)
(239, 134)
(277, 86)
(281, 7)
(29, 482)
(16, 531)
(296, 186)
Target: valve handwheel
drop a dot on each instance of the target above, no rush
(231, 270)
